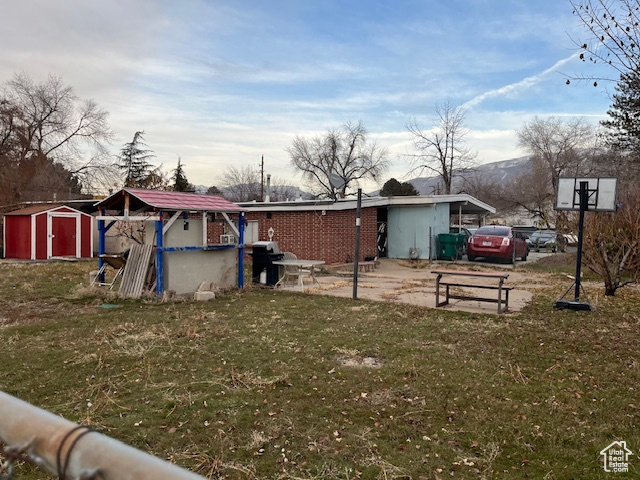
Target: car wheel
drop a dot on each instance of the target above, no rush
(524, 257)
(471, 258)
(553, 250)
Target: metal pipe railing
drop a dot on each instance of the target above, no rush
(54, 443)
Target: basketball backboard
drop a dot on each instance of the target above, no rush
(601, 193)
(336, 181)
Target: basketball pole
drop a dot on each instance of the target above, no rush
(576, 304)
(584, 198)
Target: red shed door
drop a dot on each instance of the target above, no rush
(63, 240)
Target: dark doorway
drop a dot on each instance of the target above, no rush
(382, 233)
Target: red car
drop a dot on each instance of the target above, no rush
(496, 241)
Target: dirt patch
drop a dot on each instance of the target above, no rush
(361, 362)
(35, 312)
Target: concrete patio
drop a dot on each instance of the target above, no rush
(402, 281)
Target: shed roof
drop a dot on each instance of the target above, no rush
(35, 209)
(163, 200)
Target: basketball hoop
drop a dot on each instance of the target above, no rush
(601, 194)
(582, 194)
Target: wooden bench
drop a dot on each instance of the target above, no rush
(500, 287)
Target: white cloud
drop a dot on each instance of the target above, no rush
(220, 83)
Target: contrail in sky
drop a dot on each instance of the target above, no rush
(514, 87)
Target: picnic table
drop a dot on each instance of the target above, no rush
(498, 286)
(298, 269)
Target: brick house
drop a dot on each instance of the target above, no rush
(395, 227)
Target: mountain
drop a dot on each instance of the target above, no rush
(489, 173)
(290, 192)
(496, 172)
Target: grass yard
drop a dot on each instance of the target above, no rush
(278, 385)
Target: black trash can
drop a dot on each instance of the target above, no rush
(264, 254)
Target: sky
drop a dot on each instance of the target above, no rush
(221, 83)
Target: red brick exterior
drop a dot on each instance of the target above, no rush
(309, 234)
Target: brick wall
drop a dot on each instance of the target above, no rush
(311, 235)
(217, 227)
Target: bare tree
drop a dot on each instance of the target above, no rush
(613, 28)
(280, 191)
(49, 120)
(561, 147)
(241, 184)
(611, 247)
(530, 191)
(486, 189)
(346, 153)
(441, 148)
(557, 148)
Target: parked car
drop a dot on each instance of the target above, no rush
(525, 230)
(546, 240)
(499, 242)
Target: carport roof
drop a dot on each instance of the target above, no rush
(469, 205)
(163, 200)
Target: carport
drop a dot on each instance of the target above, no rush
(414, 223)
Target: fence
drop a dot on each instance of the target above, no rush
(74, 451)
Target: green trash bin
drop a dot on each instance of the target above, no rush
(447, 246)
(451, 246)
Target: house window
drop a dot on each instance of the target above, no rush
(251, 232)
(269, 214)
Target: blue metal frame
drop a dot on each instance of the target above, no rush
(241, 246)
(102, 233)
(195, 248)
(159, 250)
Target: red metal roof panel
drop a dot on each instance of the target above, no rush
(164, 200)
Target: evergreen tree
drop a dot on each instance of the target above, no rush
(393, 188)
(134, 162)
(624, 125)
(180, 182)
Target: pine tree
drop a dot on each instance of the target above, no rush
(134, 162)
(393, 188)
(180, 182)
(624, 125)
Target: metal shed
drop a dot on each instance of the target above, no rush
(41, 232)
(177, 229)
